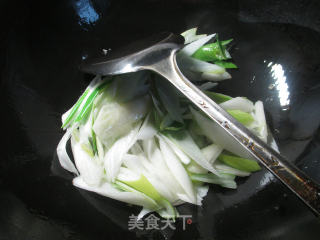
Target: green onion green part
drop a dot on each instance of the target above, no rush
(74, 109)
(241, 116)
(226, 181)
(239, 163)
(212, 52)
(225, 64)
(217, 97)
(144, 186)
(88, 104)
(93, 142)
(222, 49)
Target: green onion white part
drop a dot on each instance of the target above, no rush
(191, 35)
(135, 139)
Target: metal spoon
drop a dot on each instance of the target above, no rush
(158, 54)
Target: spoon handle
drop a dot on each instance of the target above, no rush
(297, 181)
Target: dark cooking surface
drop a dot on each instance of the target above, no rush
(43, 43)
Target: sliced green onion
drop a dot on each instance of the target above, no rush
(75, 109)
(226, 42)
(87, 149)
(242, 164)
(241, 116)
(158, 119)
(223, 168)
(88, 104)
(191, 35)
(144, 186)
(222, 50)
(211, 76)
(212, 51)
(191, 48)
(226, 181)
(169, 211)
(225, 64)
(93, 142)
(193, 167)
(238, 103)
(76, 134)
(196, 134)
(175, 127)
(152, 204)
(120, 187)
(184, 141)
(212, 176)
(218, 97)
(166, 122)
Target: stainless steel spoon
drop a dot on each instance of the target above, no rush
(158, 54)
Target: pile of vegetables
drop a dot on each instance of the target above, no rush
(135, 139)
